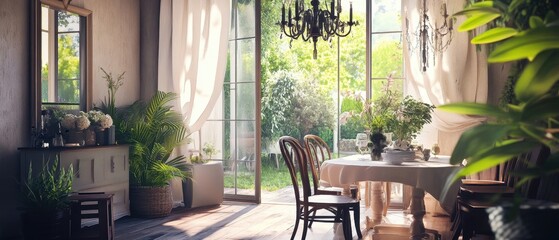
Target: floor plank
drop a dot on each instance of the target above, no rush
(233, 220)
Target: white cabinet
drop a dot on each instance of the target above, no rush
(96, 169)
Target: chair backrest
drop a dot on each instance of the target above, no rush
(528, 189)
(295, 158)
(318, 151)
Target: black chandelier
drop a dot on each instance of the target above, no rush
(429, 37)
(314, 23)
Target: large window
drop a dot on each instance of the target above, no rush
(386, 46)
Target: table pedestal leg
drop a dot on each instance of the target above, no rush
(376, 203)
(417, 207)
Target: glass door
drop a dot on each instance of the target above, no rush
(234, 125)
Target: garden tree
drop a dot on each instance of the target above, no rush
(272, 58)
(68, 81)
(290, 106)
(277, 96)
(312, 110)
(68, 69)
(387, 61)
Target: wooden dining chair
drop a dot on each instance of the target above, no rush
(318, 152)
(474, 200)
(307, 202)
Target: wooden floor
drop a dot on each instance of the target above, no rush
(233, 220)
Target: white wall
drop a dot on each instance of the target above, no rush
(115, 48)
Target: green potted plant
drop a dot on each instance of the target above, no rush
(408, 120)
(526, 32)
(45, 198)
(154, 130)
(402, 118)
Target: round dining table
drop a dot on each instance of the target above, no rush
(430, 176)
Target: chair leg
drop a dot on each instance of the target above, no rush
(467, 226)
(346, 222)
(305, 221)
(298, 216)
(313, 216)
(456, 232)
(356, 219)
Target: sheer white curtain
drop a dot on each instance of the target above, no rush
(458, 74)
(193, 39)
(193, 54)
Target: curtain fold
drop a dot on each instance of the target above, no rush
(193, 43)
(193, 55)
(458, 74)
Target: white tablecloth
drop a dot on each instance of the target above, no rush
(430, 176)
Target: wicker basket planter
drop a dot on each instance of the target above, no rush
(150, 202)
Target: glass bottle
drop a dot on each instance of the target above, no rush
(58, 140)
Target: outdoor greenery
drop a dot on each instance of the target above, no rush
(68, 72)
(534, 120)
(272, 179)
(47, 191)
(308, 111)
(153, 129)
(289, 72)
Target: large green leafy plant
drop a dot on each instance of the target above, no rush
(154, 130)
(404, 117)
(515, 128)
(47, 191)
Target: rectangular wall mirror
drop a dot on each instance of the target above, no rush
(61, 58)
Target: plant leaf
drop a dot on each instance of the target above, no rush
(494, 35)
(536, 22)
(478, 139)
(474, 109)
(514, 4)
(526, 45)
(477, 20)
(541, 109)
(551, 19)
(471, 11)
(538, 76)
(494, 157)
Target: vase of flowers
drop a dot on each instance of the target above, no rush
(74, 126)
(377, 144)
(100, 122)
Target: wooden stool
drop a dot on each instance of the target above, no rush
(83, 206)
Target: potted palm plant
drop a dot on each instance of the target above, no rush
(526, 33)
(45, 197)
(154, 130)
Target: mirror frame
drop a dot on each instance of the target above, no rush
(86, 85)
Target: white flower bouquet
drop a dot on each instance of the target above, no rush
(100, 119)
(82, 122)
(70, 121)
